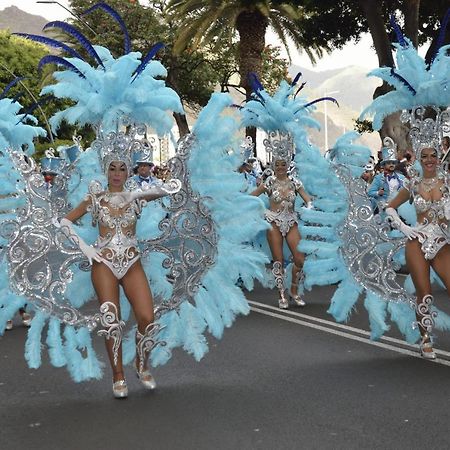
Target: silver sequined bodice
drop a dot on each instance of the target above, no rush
(282, 193)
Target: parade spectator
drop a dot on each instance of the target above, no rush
(386, 184)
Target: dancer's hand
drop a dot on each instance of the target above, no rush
(309, 205)
(90, 252)
(397, 223)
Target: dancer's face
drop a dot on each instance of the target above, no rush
(281, 168)
(117, 175)
(429, 160)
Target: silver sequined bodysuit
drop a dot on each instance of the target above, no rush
(433, 229)
(282, 199)
(117, 241)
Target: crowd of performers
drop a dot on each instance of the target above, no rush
(169, 245)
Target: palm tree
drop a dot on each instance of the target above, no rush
(204, 21)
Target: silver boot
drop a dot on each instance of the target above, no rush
(425, 321)
(278, 273)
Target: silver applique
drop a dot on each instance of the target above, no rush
(188, 239)
(367, 247)
(113, 327)
(425, 315)
(146, 342)
(39, 255)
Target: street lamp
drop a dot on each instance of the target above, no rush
(70, 12)
(326, 116)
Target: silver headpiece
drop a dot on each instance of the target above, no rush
(247, 147)
(427, 125)
(122, 145)
(279, 145)
(389, 150)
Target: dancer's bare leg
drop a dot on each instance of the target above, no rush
(138, 293)
(293, 239)
(106, 287)
(419, 268)
(441, 264)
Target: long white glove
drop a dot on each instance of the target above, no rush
(147, 192)
(398, 224)
(90, 252)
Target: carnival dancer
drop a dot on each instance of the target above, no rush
(282, 191)
(428, 244)
(115, 258)
(386, 184)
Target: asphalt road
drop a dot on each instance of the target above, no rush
(277, 380)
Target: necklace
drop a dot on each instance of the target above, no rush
(429, 183)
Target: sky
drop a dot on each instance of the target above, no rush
(360, 54)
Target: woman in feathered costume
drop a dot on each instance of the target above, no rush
(282, 191)
(283, 117)
(423, 93)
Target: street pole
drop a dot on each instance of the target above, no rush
(325, 110)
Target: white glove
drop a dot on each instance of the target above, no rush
(147, 192)
(398, 224)
(309, 205)
(90, 252)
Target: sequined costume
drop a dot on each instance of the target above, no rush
(282, 199)
(433, 231)
(117, 240)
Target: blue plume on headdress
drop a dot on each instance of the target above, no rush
(83, 40)
(117, 17)
(404, 81)
(256, 85)
(398, 32)
(295, 80)
(16, 97)
(53, 59)
(299, 89)
(317, 100)
(440, 39)
(35, 105)
(51, 42)
(148, 57)
(11, 85)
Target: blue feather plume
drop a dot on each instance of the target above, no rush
(404, 81)
(443, 30)
(117, 17)
(398, 31)
(51, 42)
(256, 85)
(53, 59)
(317, 100)
(299, 89)
(83, 40)
(148, 57)
(295, 80)
(11, 85)
(34, 106)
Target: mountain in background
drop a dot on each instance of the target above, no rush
(18, 21)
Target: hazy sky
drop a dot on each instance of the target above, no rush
(360, 54)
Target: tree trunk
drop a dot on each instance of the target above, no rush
(392, 126)
(183, 127)
(251, 26)
(411, 13)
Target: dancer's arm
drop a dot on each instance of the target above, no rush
(395, 219)
(259, 190)
(306, 198)
(66, 226)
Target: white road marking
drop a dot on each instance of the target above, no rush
(326, 329)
